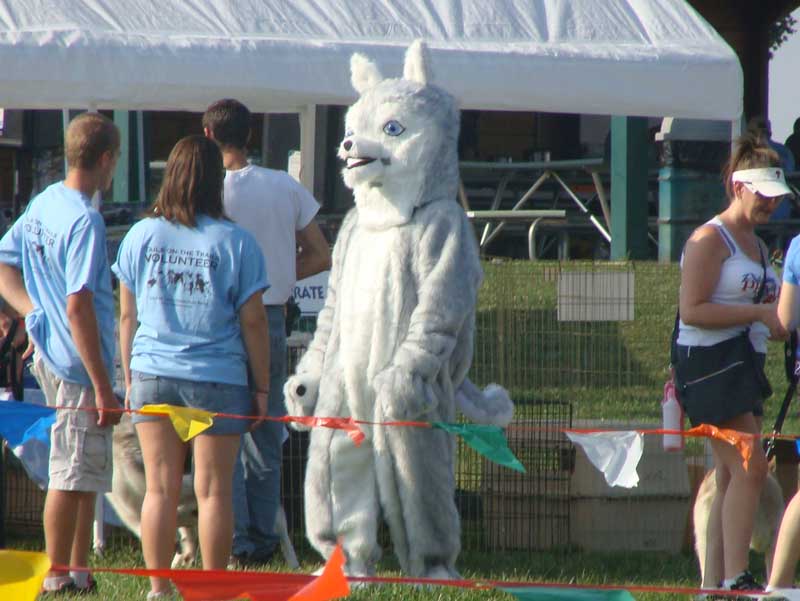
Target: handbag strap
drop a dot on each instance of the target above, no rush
(763, 285)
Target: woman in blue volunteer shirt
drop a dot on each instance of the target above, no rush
(192, 280)
(787, 547)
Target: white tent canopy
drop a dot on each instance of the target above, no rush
(621, 57)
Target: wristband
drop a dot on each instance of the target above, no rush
(260, 393)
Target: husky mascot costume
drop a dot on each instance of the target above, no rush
(395, 338)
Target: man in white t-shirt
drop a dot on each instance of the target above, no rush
(279, 212)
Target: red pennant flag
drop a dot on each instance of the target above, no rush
(216, 585)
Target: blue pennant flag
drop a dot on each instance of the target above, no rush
(23, 421)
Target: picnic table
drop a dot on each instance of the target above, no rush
(500, 174)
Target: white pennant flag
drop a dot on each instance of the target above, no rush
(616, 454)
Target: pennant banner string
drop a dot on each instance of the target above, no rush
(284, 581)
(23, 421)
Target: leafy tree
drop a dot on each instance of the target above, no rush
(780, 31)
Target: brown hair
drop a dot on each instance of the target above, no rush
(228, 120)
(752, 151)
(192, 183)
(88, 136)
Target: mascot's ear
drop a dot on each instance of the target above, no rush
(416, 65)
(364, 74)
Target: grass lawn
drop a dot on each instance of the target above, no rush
(644, 569)
(612, 370)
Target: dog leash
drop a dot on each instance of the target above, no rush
(791, 366)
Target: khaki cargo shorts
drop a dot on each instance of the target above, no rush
(80, 451)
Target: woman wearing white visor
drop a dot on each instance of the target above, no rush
(728, 306)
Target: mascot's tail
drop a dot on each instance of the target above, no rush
(492, 405)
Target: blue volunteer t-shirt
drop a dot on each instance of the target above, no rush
(189, 285)
(791, 264)
(59, 243)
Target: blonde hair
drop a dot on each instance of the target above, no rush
(88, 136)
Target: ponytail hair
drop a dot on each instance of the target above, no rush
(752, 151)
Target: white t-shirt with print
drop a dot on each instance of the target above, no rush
(272, 206)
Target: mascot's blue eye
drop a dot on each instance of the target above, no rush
(393, 128)
(348, 133)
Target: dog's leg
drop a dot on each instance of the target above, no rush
(187, 554)
(768, 521)
(98, 530)
(707, 534)
(282, 530)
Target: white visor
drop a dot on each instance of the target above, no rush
(767, 181)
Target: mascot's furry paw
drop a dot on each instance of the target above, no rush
(401, 395)
(441, 572)
(492, 405)
(300, 396)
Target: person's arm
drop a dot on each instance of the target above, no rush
(789, 306)
(12, 285)
(128, 320)
(12, 289)
(702, 264)
(315, 255)
(448, 273)
(86, 336)
(255, 334)
(18, 303)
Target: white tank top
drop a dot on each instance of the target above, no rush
(739, 280)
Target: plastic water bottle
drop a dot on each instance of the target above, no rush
(672, 416)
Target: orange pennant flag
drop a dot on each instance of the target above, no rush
(331, 584)
(347, 424)
(741, 440)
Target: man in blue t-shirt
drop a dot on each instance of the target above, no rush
(54, 271)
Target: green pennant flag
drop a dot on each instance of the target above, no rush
(489, 441)
(566, 594)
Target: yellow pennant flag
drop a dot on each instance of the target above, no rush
(22, 574)
(187, 422)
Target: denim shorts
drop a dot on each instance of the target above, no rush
(147, 389)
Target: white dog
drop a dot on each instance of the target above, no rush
(765, 527)
(127, 494)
